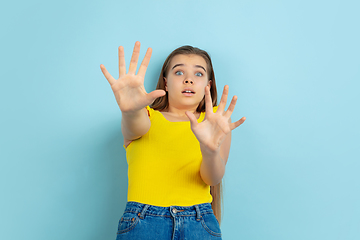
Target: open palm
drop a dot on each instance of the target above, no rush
(212, 131)
(129, 88)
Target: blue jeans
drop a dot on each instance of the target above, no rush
(143, 221)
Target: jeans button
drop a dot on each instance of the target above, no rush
(174, 210)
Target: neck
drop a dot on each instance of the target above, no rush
(180, 111)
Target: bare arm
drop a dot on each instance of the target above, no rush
(214, 136)
(134, 125)
(213, 164)
(130, 94)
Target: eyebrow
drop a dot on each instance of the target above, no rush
(180, 64)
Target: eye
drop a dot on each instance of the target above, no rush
(199, 74)
(179, 73)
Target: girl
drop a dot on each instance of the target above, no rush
(177, 144)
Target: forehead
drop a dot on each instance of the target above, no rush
(188, 60)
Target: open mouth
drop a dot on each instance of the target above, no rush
(188, 91)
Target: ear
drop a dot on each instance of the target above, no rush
(209, 83)
(165, 80)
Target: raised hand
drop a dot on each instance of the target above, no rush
(212, 131)
(129, 89)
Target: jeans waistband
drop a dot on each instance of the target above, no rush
(142, 209)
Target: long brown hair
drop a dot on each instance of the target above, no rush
(162, 103)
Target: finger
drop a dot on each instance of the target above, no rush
(208, 101)
(134, 58)
(155, 94)
(231, 107)
(192, 118)
(122, 65)
(237, 123)
(145, 63)
(223, 99)
(107, 75)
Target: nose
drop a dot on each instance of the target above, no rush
(188, 81)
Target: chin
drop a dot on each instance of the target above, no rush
(191, 103)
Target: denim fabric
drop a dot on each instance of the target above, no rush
(143, 221)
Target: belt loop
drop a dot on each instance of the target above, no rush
(142, 214)
(198, 213)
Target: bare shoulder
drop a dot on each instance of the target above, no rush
(127, 142)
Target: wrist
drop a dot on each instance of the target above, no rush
(209, 150)
(132, 113)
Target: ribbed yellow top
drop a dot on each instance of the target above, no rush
(164, 165)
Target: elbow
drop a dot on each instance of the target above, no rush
(212, 172)
(213, 183)
(212, 180)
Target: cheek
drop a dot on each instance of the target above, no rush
(173, 86)
(203, 85)
(176, 82)
(202, 93)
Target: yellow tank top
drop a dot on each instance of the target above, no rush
(164, 165)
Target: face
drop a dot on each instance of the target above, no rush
(186, 80)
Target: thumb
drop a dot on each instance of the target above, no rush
(155, 94)
(192, 118)
(107, 75)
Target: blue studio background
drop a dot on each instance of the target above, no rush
(293, 170)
